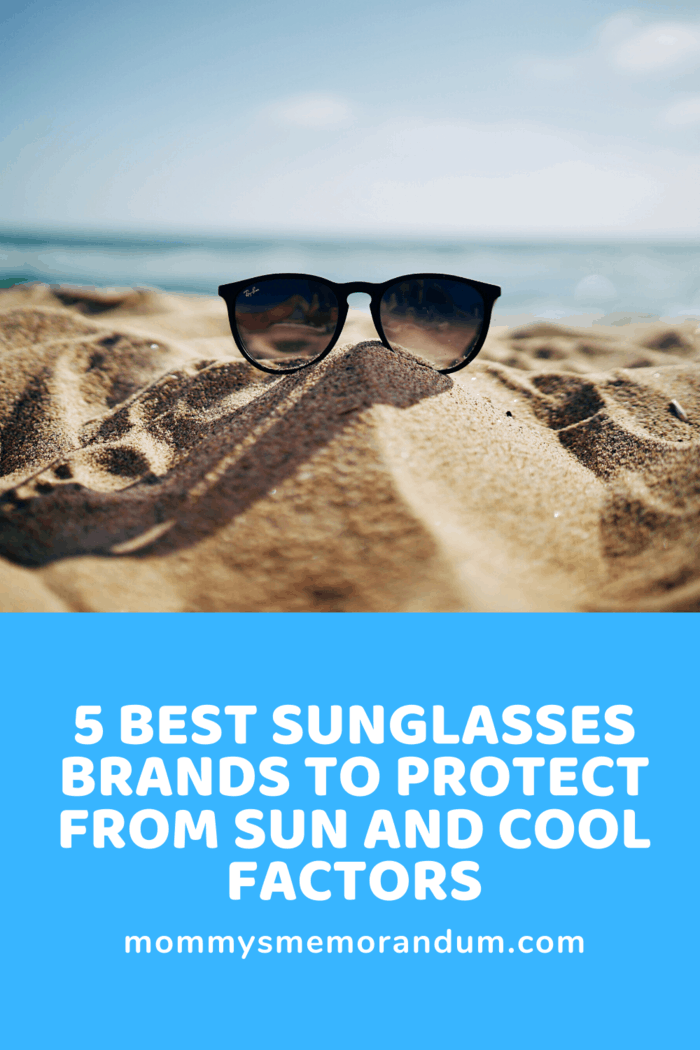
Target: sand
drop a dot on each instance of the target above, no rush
(145, 465)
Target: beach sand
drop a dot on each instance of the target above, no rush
(146, 466)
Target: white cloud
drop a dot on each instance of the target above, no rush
(625, 43)
(685, 111)
(317, 112)
(486, 178)
(572, 195)
(657, 47)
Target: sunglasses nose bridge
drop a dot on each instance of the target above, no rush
(358, 286)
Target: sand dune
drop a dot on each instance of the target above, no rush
(145, 465)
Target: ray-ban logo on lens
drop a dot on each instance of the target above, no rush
(251, 291)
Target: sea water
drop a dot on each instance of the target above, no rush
(594, 281)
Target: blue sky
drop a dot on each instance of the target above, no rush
(499, 118)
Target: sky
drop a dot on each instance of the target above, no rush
(381, 117)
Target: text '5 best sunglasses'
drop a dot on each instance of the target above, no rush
(283, 322)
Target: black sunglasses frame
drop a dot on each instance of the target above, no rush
(228, 292)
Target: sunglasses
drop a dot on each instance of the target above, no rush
(284, 322)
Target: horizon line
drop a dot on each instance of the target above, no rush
(173, 234)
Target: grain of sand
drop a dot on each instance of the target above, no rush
(144, 465)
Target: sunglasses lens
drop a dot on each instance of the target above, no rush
(434, 319)
(286, 323)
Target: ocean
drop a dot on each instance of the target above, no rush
(605, 282)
